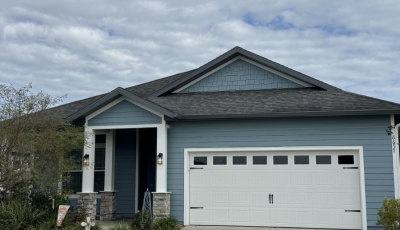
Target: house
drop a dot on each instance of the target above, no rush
(240, 141)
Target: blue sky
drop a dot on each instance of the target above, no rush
(88, 48)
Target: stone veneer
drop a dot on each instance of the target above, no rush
(87, 203)
(161, 205)
(108, 206)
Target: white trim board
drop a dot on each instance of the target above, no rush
(360, 150)
(305, 84)
(396, 157)
(137, 173)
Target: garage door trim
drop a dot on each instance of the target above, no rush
(188, 151)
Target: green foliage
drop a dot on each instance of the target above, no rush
(137, 220)
(168, 223)
(42, 201)
(18, 215)
(35, 155)
(121, 227)
(389, 214)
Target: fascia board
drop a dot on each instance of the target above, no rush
(114, 95)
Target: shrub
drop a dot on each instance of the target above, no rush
(42, 202)
(389, 214)
(137, 220)
(121, 227)
(168, 223)
(18, 215)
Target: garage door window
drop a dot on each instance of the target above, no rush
(346, 159)
(200, 161)
(239, 160)
(259, 160)
(219, 160)
(301, 160)
(323, 160)
(280, 160)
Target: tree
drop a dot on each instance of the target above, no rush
(34, 143)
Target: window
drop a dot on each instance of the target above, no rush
(75, 183)
(259, 160)
(323, 160)
(346, 159)
(100, 159)
(280, 160)
(219, 160)
(301, 160)
(200, 161)
(239, 160)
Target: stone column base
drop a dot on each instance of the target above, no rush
(161, 205)
(108, 206)
(87, 203)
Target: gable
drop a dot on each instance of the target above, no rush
(240, 75)
(124, 113)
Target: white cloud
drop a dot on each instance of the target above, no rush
(91, 47)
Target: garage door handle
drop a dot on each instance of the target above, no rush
(195, 168)
(352, 211)
(350, 167)
(270, 198)
(196, 207)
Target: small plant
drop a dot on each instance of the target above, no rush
(389, 214)
(168, 223)
(18, 215)
(137, 220)
(121, 227)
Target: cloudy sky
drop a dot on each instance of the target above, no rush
(84, 48)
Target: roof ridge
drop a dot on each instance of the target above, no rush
(160, 79)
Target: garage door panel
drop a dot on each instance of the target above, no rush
(305, 196)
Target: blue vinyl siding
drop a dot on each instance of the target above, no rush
(368, 131)
(124, 113)
(240, 75)
(125, 171)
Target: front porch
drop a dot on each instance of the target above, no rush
(135, 159)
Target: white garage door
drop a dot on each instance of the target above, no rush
(306, 189)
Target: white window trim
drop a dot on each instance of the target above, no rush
(360, 150)
(305, 84)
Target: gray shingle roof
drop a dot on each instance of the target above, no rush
(323, 100)
(274, 101)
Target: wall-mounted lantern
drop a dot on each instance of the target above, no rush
(159, 159)
(86, 160)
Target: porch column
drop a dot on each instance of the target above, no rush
(108, 206)
(88, 171)
(161, 198)
(110, 162)
(87, 198)
(161, 184)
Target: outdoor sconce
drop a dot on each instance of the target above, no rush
(159, 159)
(86, 160)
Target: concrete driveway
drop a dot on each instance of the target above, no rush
(236, 228)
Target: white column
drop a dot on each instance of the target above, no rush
(161, 185)
(110, 162)
(88, 171)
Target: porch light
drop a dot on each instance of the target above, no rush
(86, 160)
(159, 159)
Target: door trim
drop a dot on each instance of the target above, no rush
(187, 151)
